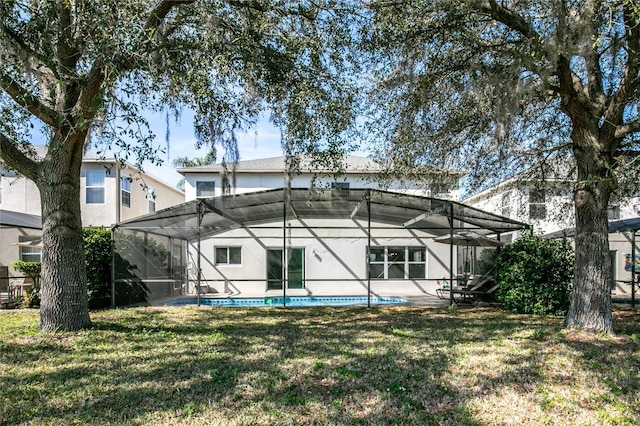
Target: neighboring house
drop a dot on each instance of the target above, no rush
(17, 232)
(110, 191)
(268, 173)
(328, 235)
(548, 206)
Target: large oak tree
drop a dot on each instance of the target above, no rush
(86, 70)
(494, 86)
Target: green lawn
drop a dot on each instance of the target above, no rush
(335, 366)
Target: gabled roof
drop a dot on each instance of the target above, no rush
(623, 225)
(20, 220)
(555, 170)
(220, 214)
(351, 164)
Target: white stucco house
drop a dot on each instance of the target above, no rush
(111, 191)
(327, 235)
(548, 206)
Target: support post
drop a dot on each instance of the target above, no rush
(113, 267)
(369, 249)
(633, 270)
(198, 262)
(285, 257)
(451, 301)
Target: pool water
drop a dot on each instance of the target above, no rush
(291, 301)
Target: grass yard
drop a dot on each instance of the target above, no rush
(320, 366)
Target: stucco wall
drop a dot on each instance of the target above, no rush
(251, 182)
(335, 260)
(9, 250)
(19, 195)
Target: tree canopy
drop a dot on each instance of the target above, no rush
(494, 87)
(85, 71)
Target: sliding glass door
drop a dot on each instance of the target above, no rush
(275, 269)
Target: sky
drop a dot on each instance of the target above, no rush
(261, 142)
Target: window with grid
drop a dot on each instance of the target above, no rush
(151, 195)
(228, 255)
(205, 189)
(125, 190)
(30, 250)
(94, 180)
(537, 203)
(397, 263)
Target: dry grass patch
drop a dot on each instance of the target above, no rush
(318, 366)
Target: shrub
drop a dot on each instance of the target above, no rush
(535, 276)
(97, 252)
(31, 270)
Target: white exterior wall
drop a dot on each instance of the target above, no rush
(560, 208)
(560, 213)
(9, 250)
(103, 214)
(19, 195)
(252, 182)
(335, 260)
(166, 196)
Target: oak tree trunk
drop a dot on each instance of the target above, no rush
(590, 307)
(64, 304)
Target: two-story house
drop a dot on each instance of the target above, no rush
(111, 191)
(330, 234)
(547, 204)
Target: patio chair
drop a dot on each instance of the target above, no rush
(483, 294)
(6, 295)
(484, 287)
(474, 282)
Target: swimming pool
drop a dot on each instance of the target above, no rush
(291, 301)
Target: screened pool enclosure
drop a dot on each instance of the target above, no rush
(297, 242)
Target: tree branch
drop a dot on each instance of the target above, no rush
(160, 12)
(26, 52)
(508, 18)
(626, 129)
(629, 82)
(310, 14)
(66, 54)
(29, 101)
(16, 159)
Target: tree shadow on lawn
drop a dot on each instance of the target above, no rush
(269, 366)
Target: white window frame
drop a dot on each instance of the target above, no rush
(340, 185)
(30, 254)
(151, 196)
(228, 249)
(272, 284)
(94, 187)
(125, 190)
(406, 262)
(537, 204)
(506, 204)
(199, 191)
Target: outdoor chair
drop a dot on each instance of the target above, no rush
(474, 283)
(471, 294)
(485, 293)
(6, 293)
